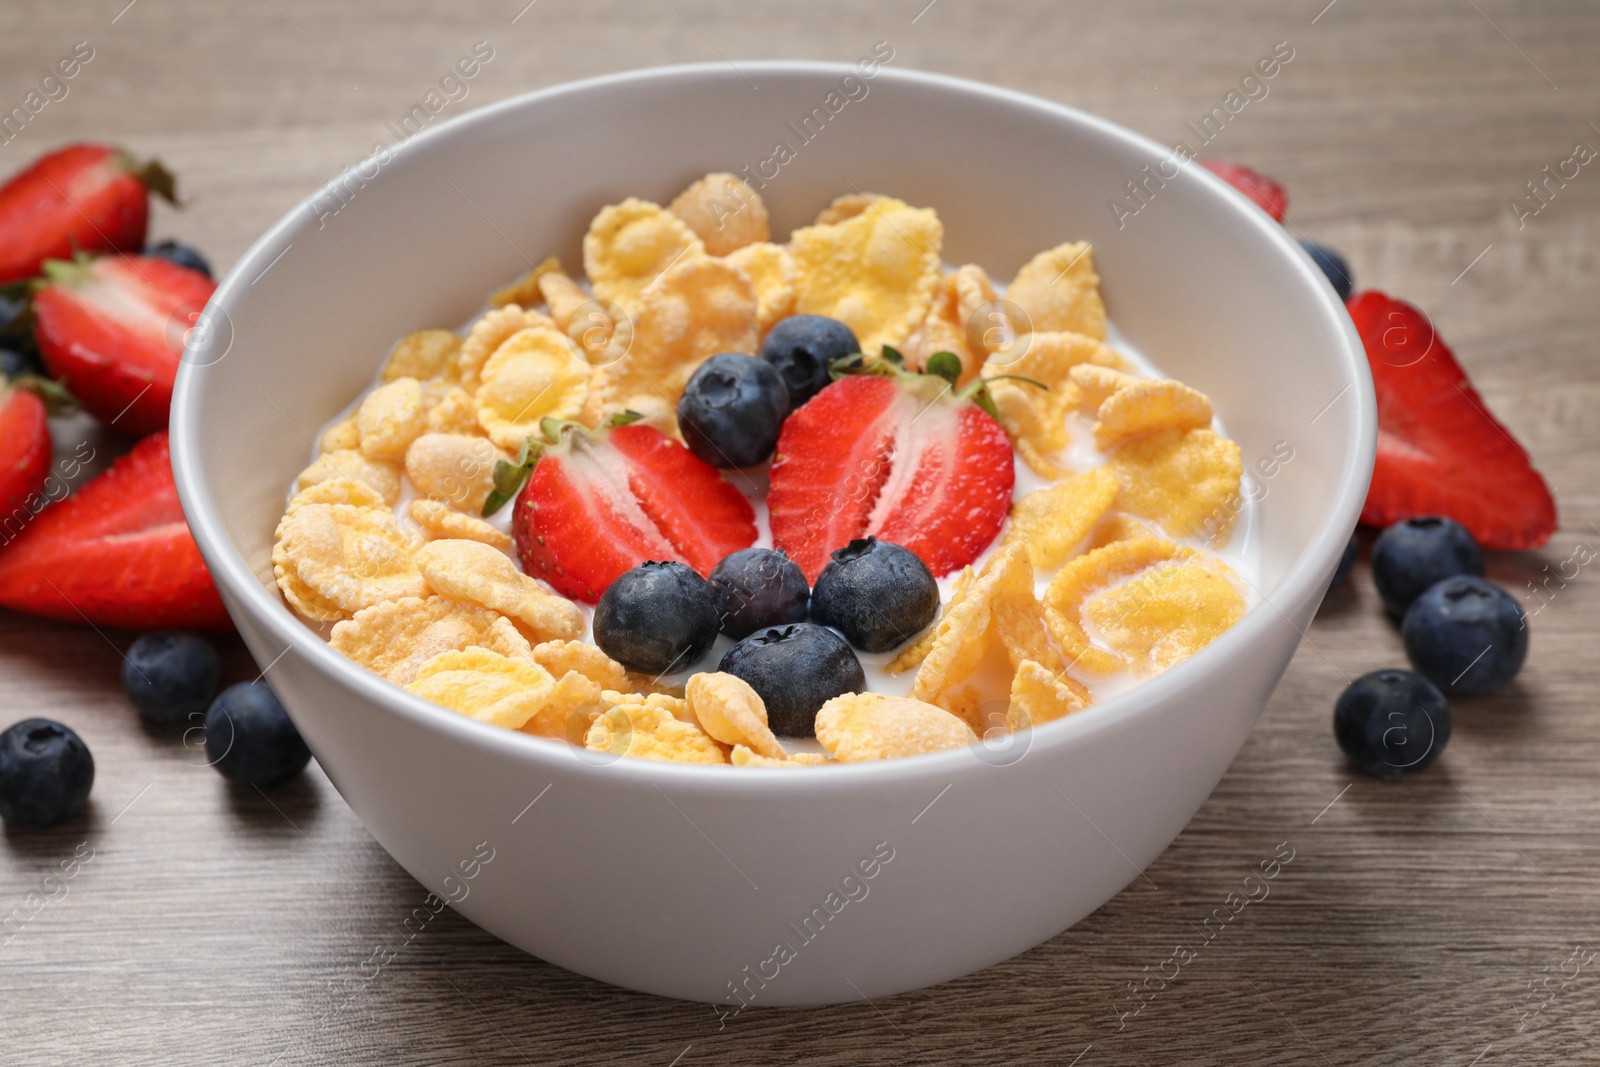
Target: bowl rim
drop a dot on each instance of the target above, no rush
(271, 616)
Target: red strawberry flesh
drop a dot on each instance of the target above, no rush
(1440, 452)
(116, 554)
(1265, 193)
(24, 455)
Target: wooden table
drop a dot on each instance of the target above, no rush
(213, 926)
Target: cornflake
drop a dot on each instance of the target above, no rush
(440, 521)
(847, 206)
(943, 329)
(771, 271)
(342, 436)
(1060, 290)
(352, 557)
(423, 355)
(535, 374)
(1181, 479)
(1166, 614)
(390, 418)
(396, 637)
(574, 702)
(484, 685)
(724, 212)
(454, 412)
(1035, 418)
(528, 290)
(746, 757)
(646, 732)
(1039, 696)
(467, 570)
(1090, 573)
(488, 334)
(561, 657)
(455, 468)
(858, 727)
(731, 712)
(876, 272)
(337, 491)
(629, 245)
(1050, 522)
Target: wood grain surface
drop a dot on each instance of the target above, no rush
(214, 926)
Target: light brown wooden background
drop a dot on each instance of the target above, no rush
(212, 926)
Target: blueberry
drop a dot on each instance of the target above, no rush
(877, 594)
(171, 675)
(757, 588)
(250, 739)
(182, 255)
(1347, 563)
(1410, 556)
(1468, 635)
(802, 346)
(732, 409)
(1391, 723)
(13, 364)
(796, 669)
(45, 774)
(1333, 265)
(16, 327)
(658, 618)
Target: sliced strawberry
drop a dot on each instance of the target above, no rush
(1440, 452)
(116, 554)
(1267, 194)
(832, 459)
(112, 330)
(24, 454)
(600, 503)
(886, 456)
(82, 198)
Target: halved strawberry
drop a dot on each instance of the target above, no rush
(118, 553)
(1267, 194)
(601, 502)
(82, 198)
(1440, 452)
(24, 453)
(112, 329)
(893, 458)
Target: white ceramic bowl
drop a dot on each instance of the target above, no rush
(680, 880)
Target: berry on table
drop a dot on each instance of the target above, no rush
(1331, 264)
(46, 772)
(732, 409)
(1469, 636)
(1410, 556)
(1391, 723)
(757, 588)
(250, 739)
(795, 670)
(181, 254)
(800, 348)
(879, 595)
(659, 617)
(171, 675)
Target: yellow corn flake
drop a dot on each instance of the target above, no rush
(997, 602)
(1119, 527)
(731, 712)
(847, 206)
(1060, 290)
(858, 727)
(875, 272)
(746, 757)
(343, 435)
(561, 293)
(1181, 479)
(1150, 405)
(301, 597)
(646, 732)
(629, 245)
(536, 374)
(916, 650)
(567, 712)
(439, 520)
(1039, 696)
(390, 418)
(724, 212)
(353, 557)
(1165, 615)
(698, 308)
(396, 637)
(454, 412)
(560, 657)
(453, 468)
(1097, 383)
(771, 271)
(338, 491)
(527, 290)
(1050, 522)
(423, 355)
(676, 706)
(1087, 575)
(1035, 418)
(654, 686)
(468, 570)
(973, 290)
(488, 334)
(484, 685)
(1018, 616)
(942, 330)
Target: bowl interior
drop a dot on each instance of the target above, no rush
(416, 234)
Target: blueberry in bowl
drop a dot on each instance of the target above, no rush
(801, 347)
(1466, 634)
(732, 409)
(795, 670)
(659, 617)
(1410, 556)
(879, 595)
(757, 588)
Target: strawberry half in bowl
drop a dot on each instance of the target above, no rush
(816, 885)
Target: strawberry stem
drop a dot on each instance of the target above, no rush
(57, 401)
(509, 477)
(152, 175)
